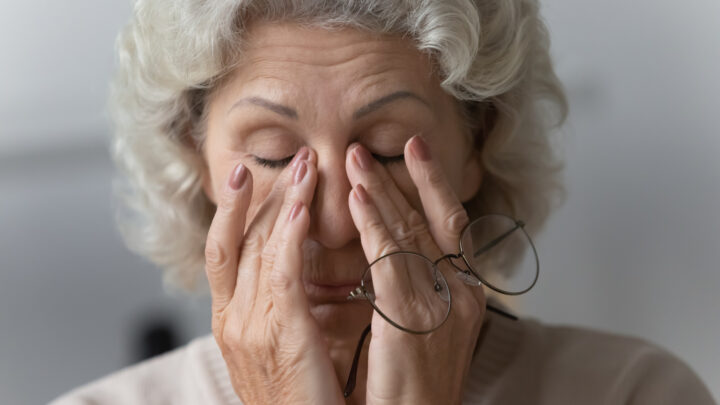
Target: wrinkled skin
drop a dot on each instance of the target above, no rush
(288, 239)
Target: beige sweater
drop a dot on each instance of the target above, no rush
(518, 362)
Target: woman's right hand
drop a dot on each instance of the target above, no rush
(261, 320)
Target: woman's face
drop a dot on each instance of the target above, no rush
(326, 90)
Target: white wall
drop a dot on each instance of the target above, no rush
(55, 60)
(635, 250)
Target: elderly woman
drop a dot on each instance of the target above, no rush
(358, 182)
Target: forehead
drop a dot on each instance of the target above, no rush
(326, 47)
(330, 67)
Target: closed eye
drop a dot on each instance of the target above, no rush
(386, 160)
(279, 164)
(273, 164)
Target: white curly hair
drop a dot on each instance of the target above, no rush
(492, 56)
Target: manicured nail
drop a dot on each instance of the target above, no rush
(238, 177)
(361, 194)
(363, 158)
(420, 148)
(300, 171)
(295, 211)
(301, 155)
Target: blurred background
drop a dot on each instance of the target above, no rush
(635, 250)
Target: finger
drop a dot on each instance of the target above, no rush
(395, 211)
(298, 196)
(445, 214)
(264, 220)
(287, 289)
(407, 227)
(260, 228)
(300, 188)
(225, 235)
(377, 242)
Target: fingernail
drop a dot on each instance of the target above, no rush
(301, 155)
(238, 177)
(420, 148)
(300, 171)
(295, 211)
(361, 194)
(363, 158)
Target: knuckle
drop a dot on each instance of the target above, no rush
(216, 257)
(254, 242)
(279, 281)
(402, 234)
(416, 222)
(386, 247)
(455, 221)
(233, 336)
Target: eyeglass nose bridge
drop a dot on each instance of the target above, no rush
(465, 275)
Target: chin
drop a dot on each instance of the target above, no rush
(342, 321)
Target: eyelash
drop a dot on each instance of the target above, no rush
(277, 164)
(273, 164)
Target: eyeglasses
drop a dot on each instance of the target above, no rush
(409, 291)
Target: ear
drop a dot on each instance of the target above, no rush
(472, 177)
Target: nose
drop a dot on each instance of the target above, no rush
(330, 222)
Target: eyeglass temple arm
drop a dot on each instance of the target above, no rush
(497, 240)
(350, 385)
(501, 312)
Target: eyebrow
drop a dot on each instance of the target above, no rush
(382, 101)
(267, 104)
(361, 112)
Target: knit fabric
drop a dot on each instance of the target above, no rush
(517, 362)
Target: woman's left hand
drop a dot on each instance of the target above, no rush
(406, 368)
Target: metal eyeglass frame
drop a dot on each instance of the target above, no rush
(360, 293)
